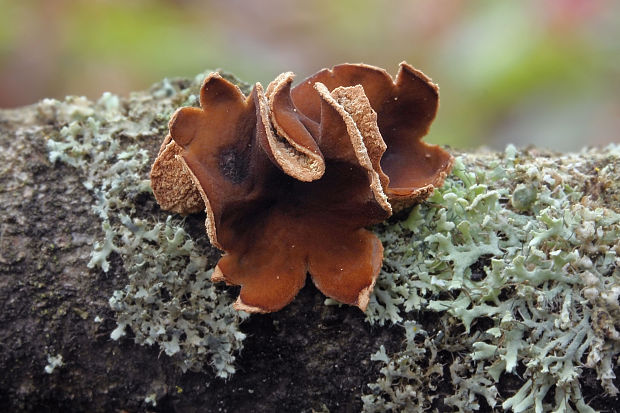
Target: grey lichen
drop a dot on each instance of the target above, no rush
(53, 362)
(518, 257)
(510, 269)
(169, 299)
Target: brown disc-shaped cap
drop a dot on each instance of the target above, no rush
(349, 133)
(318, 227)
(290, 178)
(219, 150)
(405, 110)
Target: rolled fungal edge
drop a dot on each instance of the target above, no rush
(294, 159)
(404, 66)
(357, 139)
(210, 218)
(402, 198)
(239, 305)
(364, 297)
(173, 188)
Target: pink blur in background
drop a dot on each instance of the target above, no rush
(545, 72)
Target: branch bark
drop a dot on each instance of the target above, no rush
(307, 356)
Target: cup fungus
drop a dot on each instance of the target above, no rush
(290, 177)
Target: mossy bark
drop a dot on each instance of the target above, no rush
(307, 356)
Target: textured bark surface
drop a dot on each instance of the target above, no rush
(297, 359)
(306, 357)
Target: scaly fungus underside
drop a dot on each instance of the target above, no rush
(289, 177)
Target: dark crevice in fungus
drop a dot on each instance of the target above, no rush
(290, 177)
(233, 165)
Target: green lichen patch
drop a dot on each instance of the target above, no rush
(518, 255)
(169, 299)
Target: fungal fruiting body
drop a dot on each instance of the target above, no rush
(290, 177)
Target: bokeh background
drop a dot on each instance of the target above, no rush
(530, 71)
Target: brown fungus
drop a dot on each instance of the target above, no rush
(405, 110)
(290, 177)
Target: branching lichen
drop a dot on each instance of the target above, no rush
(169, 299)
(510, 270)
(520, 255)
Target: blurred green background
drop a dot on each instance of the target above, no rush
(530, 71)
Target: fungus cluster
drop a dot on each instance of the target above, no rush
(290, 177)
